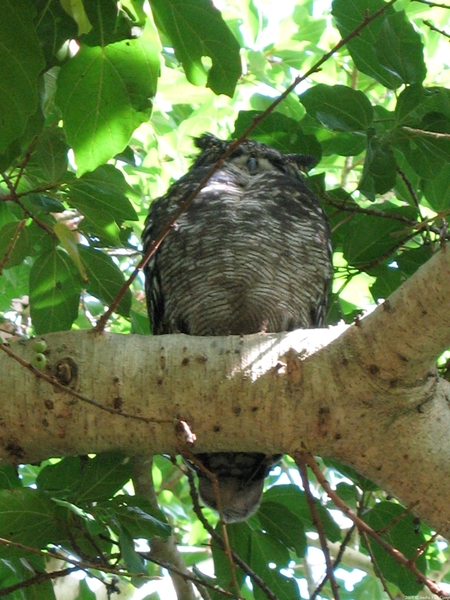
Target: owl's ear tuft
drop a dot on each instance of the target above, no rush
(208, 141)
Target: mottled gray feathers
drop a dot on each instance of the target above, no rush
(251, 254)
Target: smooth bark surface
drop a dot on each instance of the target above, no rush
(367, 395)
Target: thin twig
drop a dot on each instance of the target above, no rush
(318, 523)
(442, 32)
(37, 579)
(433, 4)
(12, 243)
(13, 196)
(376, 568)
(336, 562)
(425, 132)
(215, 485)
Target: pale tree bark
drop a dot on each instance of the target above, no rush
(367, 395)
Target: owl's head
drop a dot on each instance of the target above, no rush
(255, 157)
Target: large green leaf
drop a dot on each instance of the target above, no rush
(294, 499)
(21, 62)
(338, 107)
(278, 131)
(196, 29)
(437, 191)
(424, 147)
(54, 26)
(388, 49)
(401, 534)
(282, 524)
(368, 237)
(55, 287)
(88, 480)
(139, 517)
(399, 48)
(29, 517)
(101, 197)
(20, 566)
(104, 94)
(380, 168)
(104, 278)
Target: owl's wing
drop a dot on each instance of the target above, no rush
(161, 211)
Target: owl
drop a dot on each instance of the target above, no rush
(252, 253)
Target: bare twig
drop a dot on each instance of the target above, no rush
(14, 197)
(433, 4)
(12, 243)
(445, 34)
(376, 568)
(37, 579)
(215, 485)
(318, 523)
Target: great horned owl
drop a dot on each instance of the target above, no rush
(252, 253)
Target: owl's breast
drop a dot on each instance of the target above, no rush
(250, 254)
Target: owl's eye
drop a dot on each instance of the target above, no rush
(252, 164)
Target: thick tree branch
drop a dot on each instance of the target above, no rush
(367, 395)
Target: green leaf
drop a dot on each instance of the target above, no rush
(9, 478)
(388, 279)
(437, 191)
(380, 168)
(133, 562)
(139, 517)
(282, 524)
(370, 237)
(21, 63)
(20, 248)
(294, 499)
(399, 48)
(349, 14)
(54, 26)
(410, 101)
(84, 480)
(84, 592)
(196, 29)
(104, 94)
(345, 143)
(61, 479)
(338, 107)
(401, 535)
(55, 287)
(48, 162)
(28, 517)
(424, 147)
(100, 196)
(105, 278)
(103, 476)
(388, 49)
(278, 131)
(20, 566)
(258, 549)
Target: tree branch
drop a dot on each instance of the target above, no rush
(371, 386)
